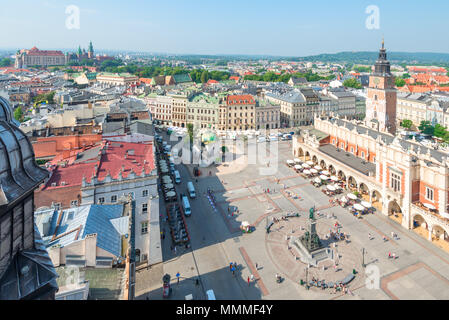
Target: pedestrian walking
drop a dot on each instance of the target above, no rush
(389, 255)
(257, 267)
(230, 266)
(175, 249)
(248, 281)
(252, 277)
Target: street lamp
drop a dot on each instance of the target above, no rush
(363, 258)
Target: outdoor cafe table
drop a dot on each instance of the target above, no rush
(352, 196)
(317, 180)
(317, 168)
(297, 161)
(298, 167)
(366, 204)
(331, 188)
(290, 162)
(307, 172)
(305, 165)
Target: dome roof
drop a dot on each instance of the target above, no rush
(19, 172)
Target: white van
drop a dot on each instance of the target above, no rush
(186, 206)
(177, 177)
(210, 295)
(191, 190)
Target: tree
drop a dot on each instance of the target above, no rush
(399, 82)
(204, 76)
(426, 128)
(18, 114)
(406, 123)
(405, 76)
(352, 83)
(6, 62)
(439, 131)
(190, 132)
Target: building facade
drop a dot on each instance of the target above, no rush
(42, 58)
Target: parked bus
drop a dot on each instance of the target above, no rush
(186, 206)
(191, 190)
(177, 177)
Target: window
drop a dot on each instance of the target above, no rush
(352, 149)
(363, 155)
(144, 208)
(113, 199)
(144, 227)
(395, 182)
(145, 193)
(101, 200)
(429, 193)
(73, 203)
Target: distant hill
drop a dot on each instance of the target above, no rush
(367, 57)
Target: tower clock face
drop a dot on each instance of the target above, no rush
(376, 81)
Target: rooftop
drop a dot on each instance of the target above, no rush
(349, 159)
(74, 224)
(111, 158)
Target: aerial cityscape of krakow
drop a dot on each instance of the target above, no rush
(251, 152)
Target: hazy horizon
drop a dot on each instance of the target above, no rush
(252, 28)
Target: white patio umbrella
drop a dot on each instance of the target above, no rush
(290, 162)
(322, 177)
(429, 206)
(171, 194)
(330, 188)
(310, 163)
(313, 171)
(334, 178)
(359, 207)
(366, 204)
(164, 170)
(318, 168)
(168, 186)
(305, 165)
(344, 199)
(298, 167)
(352, 196)
(317, 180)
(306, 171)
(325, 172)
(297, 160)
(166, 177)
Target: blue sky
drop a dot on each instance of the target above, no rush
(281, 27)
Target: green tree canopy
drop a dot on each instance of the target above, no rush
(204, 76)
(18, 114)
(406, 123)
(399, 82)
(426, 128)
(5, 62)
(352, 83)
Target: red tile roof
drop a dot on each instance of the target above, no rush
(52, 146)
(118, 157)
(240, 99)
(36, 52)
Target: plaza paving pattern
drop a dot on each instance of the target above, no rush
(217, 240)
